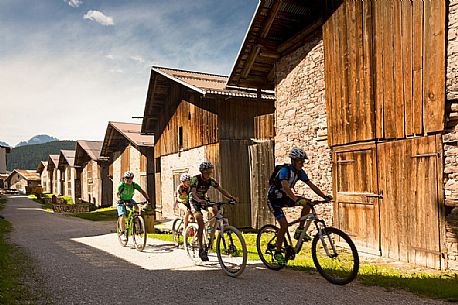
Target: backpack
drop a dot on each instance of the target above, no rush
(273, 180)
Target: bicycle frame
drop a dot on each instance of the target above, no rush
(220, 224)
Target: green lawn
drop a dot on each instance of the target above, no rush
(14, 263)
(441, 285)
(103, 214)
(47, 207)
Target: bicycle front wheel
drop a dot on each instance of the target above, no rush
(191, 241)
(177, 231)
(266, 244)
(335, 256)
(139, 233)
(231, 251)
(123, 237)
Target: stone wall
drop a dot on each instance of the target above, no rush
(300, 117)
(186, 161)
(450, 139)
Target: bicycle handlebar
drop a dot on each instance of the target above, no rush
(218, 204)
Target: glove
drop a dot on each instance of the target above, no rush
(327, 198)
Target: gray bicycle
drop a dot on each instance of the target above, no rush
(333, 252)
(230, 245)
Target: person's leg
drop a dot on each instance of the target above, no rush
(281, 233)
(200, 223)
(121, 212)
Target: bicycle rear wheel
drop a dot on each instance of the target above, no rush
(266, 244)
(177, 231)
(231, 251)
(335, 256)
(139, 233)
(123, 238)
(191, 242)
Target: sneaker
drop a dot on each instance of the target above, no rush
(123, 236)
(203, 255)
(298, 233)
(280, 258)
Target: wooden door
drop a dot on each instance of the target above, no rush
(356, 207)
(410, 179)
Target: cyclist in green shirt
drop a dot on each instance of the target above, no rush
(126, 191)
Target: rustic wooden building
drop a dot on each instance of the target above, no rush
(194, 117)
(21, 180)
(364, 84)
(42, 170)
(3, 169)
(128, 150)
(67, 173)
(54, 174)
(93, 183)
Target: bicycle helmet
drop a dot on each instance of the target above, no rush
(297, 153)
(185, 177)
(205, 165)
(128, 175)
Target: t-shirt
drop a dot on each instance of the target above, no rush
(126, 191)
(292, 175)
(183, 193)
(202, 186)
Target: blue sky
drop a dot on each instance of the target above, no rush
(67, 67)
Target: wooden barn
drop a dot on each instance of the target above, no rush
(54, 174)
(93, 183)
(67, 173)
(42, 170)
(3, 169)
(22, 180)
(369, 88)
(194, 117)
(127, 150)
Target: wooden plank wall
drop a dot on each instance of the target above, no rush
(262, 164)
(412, 207)
(264, 128)
(384, 69)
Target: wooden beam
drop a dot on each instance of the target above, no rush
(300, 37)
(254, 53)
(270, 20)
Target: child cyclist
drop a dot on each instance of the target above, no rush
(281, 195)
(183, 194)
(200, 184)
(126, 190)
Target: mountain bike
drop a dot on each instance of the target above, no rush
(230, 245)
(333, 252)
(178, 228)
(135, 227)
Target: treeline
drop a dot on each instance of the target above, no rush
(28, 156)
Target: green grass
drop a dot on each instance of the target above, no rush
(46, 207)
(440, 285)
(14, 265)
(104, 214)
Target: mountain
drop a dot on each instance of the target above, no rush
(4, 144)
(38, 139)
(28, 156)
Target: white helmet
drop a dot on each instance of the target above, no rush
(185, 177)
(297, 153)
(128, 175)
(205, 165)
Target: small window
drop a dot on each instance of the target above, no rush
(189, 116)
(180, 137)
(157, 163)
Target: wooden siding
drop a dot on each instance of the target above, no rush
(385, 69)
(261, 166)
(125, 161)
(264, 127)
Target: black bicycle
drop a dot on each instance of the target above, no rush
(333, 252)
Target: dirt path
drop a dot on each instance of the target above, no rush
(84, 264)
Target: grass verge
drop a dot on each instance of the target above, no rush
(17, 271)
(438, 285)
(103, 214)
(47, 206)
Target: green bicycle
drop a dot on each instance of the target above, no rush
(135, 227)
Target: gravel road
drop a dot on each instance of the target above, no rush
(81, 262)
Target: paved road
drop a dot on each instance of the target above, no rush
(82, 263)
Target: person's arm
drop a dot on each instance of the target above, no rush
(144, 194)
(194, 196)
(316, 189)
(287, 190)
(225, 193)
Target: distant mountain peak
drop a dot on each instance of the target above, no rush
(4, 144)
(38, 139)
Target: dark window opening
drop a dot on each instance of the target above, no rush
(157, 163)
(189, 116)
(180, 137)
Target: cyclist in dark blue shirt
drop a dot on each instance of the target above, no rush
(281, 195)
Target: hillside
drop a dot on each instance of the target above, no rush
(28, 156)
(38, 139)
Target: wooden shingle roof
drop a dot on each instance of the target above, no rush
(119, 134)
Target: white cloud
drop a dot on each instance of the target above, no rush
(109, 56)
(74, 3)
(137, 58)
(99, 17)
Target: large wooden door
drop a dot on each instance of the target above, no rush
(410, 179)
(356, 207)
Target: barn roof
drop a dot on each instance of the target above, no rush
(192, 82)
(41, 166)
(277, 28)
(53, 161)
(88, 150)
(67, 157)
(29, 175)
(119, 134)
